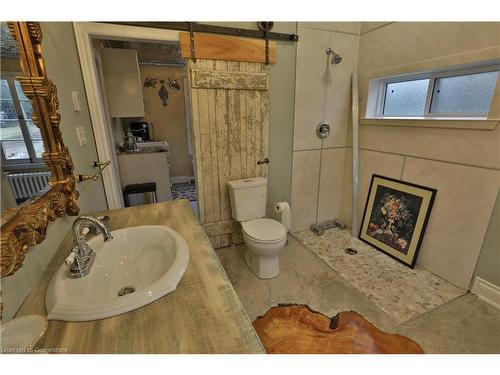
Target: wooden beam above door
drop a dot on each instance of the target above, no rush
(228, 48)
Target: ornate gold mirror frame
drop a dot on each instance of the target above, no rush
(27, 226)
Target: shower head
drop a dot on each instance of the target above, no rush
(336, 58)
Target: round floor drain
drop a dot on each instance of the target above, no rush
(351, 251)
(126, 290)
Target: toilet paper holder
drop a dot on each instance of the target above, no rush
(283, 208)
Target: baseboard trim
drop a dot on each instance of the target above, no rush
(180, 179)
(487, 292)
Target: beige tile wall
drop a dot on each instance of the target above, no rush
(322, 92)
(305, 188)
(488, 265)
(376, 163)
(346, 202)
(338, 95)
(330, 188)
(472, 147)
(402, 43)
(370, 26)
(341, 27)
(459, 219)
(464, 202)
(310, 87)
(463, 165)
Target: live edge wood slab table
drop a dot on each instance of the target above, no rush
(204, 314)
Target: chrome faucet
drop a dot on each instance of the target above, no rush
(82, 256)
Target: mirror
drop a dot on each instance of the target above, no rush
(24, 174)
(38, 184)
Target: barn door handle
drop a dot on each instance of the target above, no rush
(265, 161)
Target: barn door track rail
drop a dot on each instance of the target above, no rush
(223, 30)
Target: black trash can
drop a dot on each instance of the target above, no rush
(139, 194)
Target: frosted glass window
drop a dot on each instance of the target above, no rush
(468, 94)
(405, 99)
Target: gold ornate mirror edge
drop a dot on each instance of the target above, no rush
(28, 226)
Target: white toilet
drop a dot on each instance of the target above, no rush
(264, 238)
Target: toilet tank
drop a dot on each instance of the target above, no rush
(248, 198)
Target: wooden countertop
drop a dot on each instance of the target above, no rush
(204, 314)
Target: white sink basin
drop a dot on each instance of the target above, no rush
(148, 261)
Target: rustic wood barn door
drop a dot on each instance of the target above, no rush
(230, 109)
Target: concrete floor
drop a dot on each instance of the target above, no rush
(464, 325)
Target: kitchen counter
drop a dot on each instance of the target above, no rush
(146, 147)
(140, 152)
(204, 314)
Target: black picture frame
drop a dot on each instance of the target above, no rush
(398, 233)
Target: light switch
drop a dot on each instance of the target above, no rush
(76, 101)
(82, 138)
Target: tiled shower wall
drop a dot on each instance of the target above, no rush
(462, 164)
(322, 93)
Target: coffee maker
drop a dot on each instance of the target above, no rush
(140, 130)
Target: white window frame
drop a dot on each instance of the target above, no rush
(432, 76)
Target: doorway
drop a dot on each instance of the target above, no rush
(158, 135)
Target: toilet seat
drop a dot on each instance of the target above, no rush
(264, 230)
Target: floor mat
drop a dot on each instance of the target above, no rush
(184, 190)
(403, 293)
(296, 329)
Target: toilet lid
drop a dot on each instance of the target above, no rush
(264, 229)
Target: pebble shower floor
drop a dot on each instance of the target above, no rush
(401, 292)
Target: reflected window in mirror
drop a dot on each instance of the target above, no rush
(24, 174)
(20, 138)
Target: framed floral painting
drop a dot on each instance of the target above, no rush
(395, 217)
